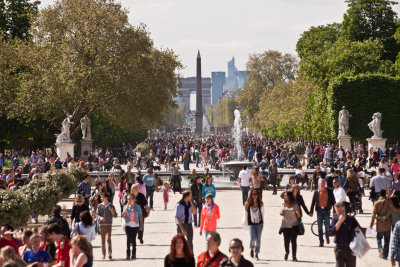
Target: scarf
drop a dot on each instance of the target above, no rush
(187, 207)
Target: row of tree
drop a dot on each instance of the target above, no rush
(284, 97)
(81, 57)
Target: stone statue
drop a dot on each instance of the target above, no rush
(344, 116)
(375, 125)
(85, 127)
(65, 135)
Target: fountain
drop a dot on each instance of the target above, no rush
(237, 165)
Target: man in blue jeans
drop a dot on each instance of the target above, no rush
(150, 181)
(323, 200)
(244, 180)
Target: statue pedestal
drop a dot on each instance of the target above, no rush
(63, 149)
(344, 142)
(376, 143)
(86, 148)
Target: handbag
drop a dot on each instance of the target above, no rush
(301, 228)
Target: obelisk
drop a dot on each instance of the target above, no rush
(199, 97)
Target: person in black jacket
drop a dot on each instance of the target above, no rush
(56, 218)
(79, 206)
(323, 201)
(196, 198)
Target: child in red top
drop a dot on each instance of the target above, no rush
(209, 216)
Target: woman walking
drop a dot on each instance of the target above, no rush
(290, 212)
(256, 180)
(352, 187)
(79, 206)
(254, 219)
(180, 254)
(121, 188)
(208, 188)
(209, 216)
(133, 223)
(85, 227)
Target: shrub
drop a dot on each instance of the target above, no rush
(38, 197)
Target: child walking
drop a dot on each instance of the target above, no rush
(165, 189)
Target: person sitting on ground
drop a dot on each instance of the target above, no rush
(36, 255)
(27, 243)
(8, 257)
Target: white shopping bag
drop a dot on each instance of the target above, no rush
(359, 245)
(370, 232)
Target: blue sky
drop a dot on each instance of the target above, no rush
(225, 28)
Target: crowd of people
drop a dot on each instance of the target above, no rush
(338, 182)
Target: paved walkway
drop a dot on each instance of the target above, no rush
(160, 228)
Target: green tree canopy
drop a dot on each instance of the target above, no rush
(265, 70)
(15, 17)
(372, 19)
(86, 58)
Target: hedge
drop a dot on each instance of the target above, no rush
(38, 197)
(363, 95)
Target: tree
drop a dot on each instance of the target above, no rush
(222, 113)
(175, 116)
(265, 70)
(282, 111)
(15, 17)
(86, 58)
(372, 19)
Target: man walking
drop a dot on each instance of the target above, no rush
(383, 224)
(237, 259)
(150, 181)
(212, 257)
(379, 182)
(84, 188)
(183, 217)
(244, 179)
(323, 200)
(343, 227)
(273, 174)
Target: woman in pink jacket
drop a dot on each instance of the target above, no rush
(209, 216)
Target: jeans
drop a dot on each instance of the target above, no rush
(140, 234)
(149, 194)
(323, 217)
(105, 232)
(386, 237)
(245, 193)
(198, 206)
(186, 165)
(344, 257)
(290, 236)
(255, 236)
(197, 162)
(131, 233)
(189, 230)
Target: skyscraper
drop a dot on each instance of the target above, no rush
(217, 86)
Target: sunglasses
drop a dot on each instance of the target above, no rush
(236, 247)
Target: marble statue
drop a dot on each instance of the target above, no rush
(375, 125)
(65, 135)
(85, 127)
(344, 116)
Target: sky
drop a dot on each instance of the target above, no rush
(222, 29)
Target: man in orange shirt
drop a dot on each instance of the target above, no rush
(323, 201)
(212, 257)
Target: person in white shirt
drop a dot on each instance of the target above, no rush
(338, 191)
(244, 177)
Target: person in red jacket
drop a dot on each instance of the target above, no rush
(212, 256)
(209, 216)
(8, 242)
